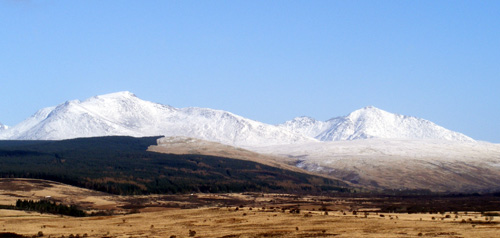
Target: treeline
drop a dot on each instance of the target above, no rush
(46, 206)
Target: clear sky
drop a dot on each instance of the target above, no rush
(266, 60)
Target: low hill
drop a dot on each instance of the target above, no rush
(191, 146)
(121, 165)
(438, 166)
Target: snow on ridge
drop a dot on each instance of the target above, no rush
(371, 122)
(123, 113)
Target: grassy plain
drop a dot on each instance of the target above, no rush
(226, 215)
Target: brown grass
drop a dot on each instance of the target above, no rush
(226, 215)
(224, 222)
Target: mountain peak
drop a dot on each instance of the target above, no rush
(370, 113)
(372, 122)
(122, 113)
(122, 94)
(369, 108)
(3, 127)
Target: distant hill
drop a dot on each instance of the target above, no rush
(121, 165)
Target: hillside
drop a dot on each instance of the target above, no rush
(192, 146)
(436, 165)
(121, 165)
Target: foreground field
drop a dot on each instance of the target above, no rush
(227, 222)
(227, 215)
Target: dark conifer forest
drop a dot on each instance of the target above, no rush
(121, 165)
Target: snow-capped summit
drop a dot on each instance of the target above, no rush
(371, 122)
(123, 113)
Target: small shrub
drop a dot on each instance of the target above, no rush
(192, 233)
(39, 234)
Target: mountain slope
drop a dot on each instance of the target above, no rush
(190, 146)
(371, 122)
(124, 114)
(435, 165)
(119, 164)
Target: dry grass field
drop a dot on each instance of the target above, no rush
(224, 215)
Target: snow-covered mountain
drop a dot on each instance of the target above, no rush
(369, 146)
(123, 113)
(3, 127)
(371, 122)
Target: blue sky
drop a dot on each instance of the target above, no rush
(265, 60)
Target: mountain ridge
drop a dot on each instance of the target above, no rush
(123, 113)
(371, 122)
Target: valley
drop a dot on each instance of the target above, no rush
(238, 215)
